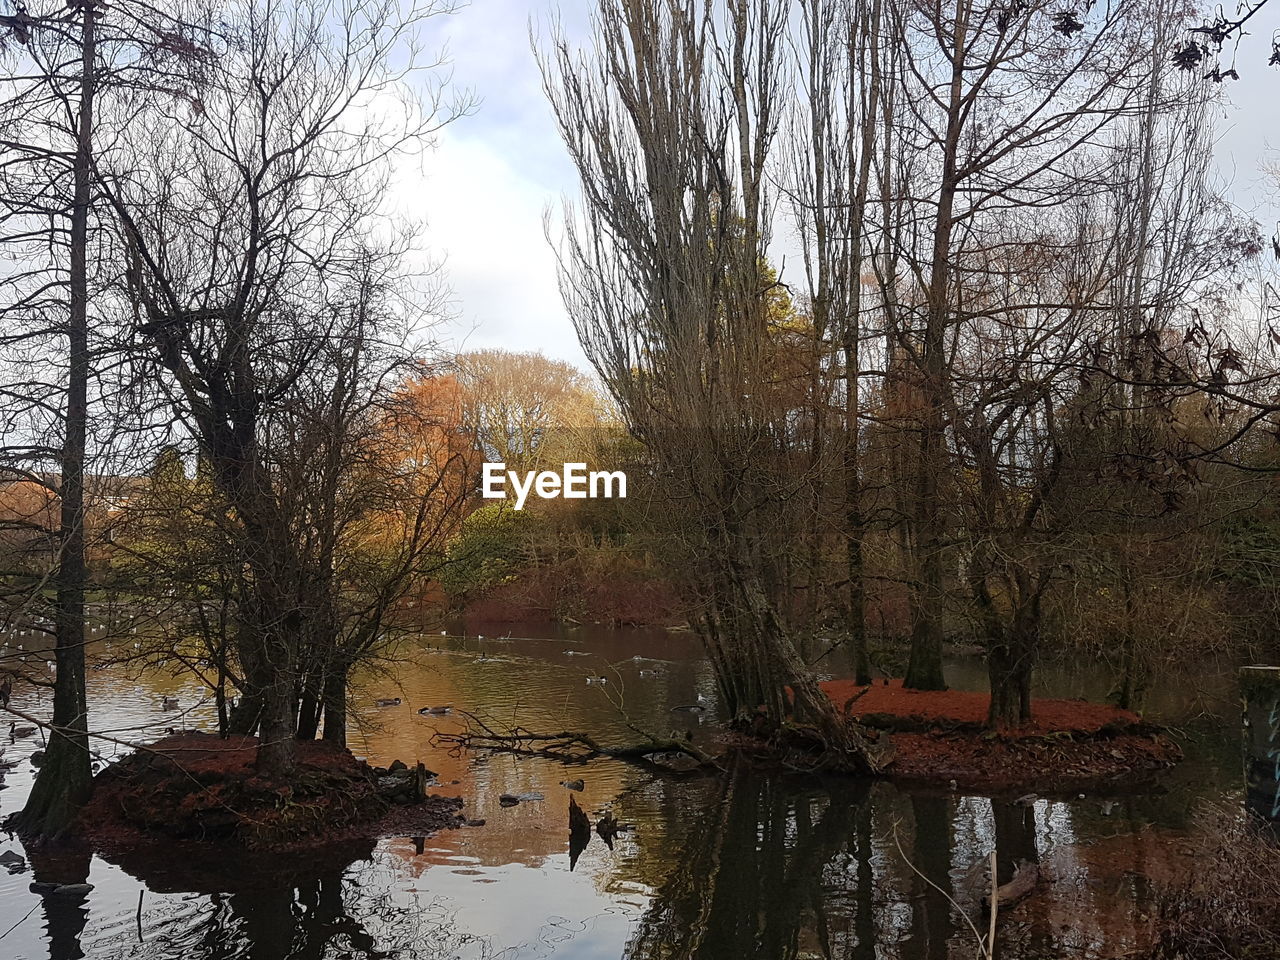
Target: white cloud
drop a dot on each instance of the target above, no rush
(483, 190)
(483, 218)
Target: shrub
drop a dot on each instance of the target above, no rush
(1229, 908)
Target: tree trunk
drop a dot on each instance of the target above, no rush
(1011, 656)
(924, 667)
(242, 720)
(277, 750)
(1127, 692)
(308, 715)
(855, 529)
(335, 704)
(246, 713)
(924, 670)
(65, 779)
(1009, 667)
(220, 700)
(275, 639)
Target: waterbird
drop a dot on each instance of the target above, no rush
(169, 703)
(434, 711)
(573, 784)
(17, 733)
(388, 702)
(597, 679)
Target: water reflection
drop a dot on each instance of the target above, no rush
(65, 913)
(298, 924)
(335, 914)
(930, 853)
(839, 870)
(750, 879)
(733, 866)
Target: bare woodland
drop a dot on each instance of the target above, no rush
(1009, 245)
(896, 303)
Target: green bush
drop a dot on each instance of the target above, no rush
(490, 549)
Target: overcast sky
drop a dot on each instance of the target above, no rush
(483, 191)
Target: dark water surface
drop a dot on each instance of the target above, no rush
(738, 866)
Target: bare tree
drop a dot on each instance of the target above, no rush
(671, 126)
(248, 214)
(987, 153)
(835, 132)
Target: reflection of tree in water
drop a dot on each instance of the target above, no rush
(65, 915)
(1016, 845)
(1015, 828)
(774, 870)
(751, 881)
(931, 919)
(361, 914)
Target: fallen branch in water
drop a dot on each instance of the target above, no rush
(1023, 882)
(568, 746)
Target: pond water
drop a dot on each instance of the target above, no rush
(730, 866)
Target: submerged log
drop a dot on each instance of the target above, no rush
(578, 821)
(1023, 882)
(579, 832)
